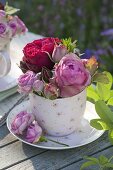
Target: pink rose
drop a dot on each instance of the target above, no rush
(51, 91)
(38, 86)
(21, 122)
(59, 52)
(25, 82)
(17, 26)
(2, 14)
(34, 133)
(5, 34)
(71, 76)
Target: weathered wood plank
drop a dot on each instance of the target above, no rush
(6, 104)
(53, 160)
(5, 136)
(16, 152)
(107, 152)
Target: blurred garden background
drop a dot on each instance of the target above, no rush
(88, 21)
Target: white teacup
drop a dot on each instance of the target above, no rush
(59, 117)
(5, 62)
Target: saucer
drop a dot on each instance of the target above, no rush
(84, 135)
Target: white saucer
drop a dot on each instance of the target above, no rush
(86, 134)
(16, 55)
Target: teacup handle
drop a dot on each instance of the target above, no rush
(5, 63)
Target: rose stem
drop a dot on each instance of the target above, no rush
(57, 142)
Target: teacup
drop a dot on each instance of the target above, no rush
(5, 61)
(61, 116)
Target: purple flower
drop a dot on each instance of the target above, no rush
(21, 122)
(25, 82)
(34, 133)
(108, 32)
(38, 86)
(3, 28)
(2, 14)
(59, 52)
(71, 75)
(17, 25)
(13, 27)
(51, 91)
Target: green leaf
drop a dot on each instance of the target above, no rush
(42, 139)
(92, 94)
(110, 78)
(103, 91)
(99, 124)
(87, 164)
(69, 44)
(101, 78)
(110, 136)
(10, 10)
(104, 112)
(110, 101)
(110, 159)
(103, 160)
(91, 159)
(109, 165)
(111, 93)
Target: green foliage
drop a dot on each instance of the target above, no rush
(102, 91)
(10, 10)
(102, 96)
(69, 44)
(101, 78)
(102, 162)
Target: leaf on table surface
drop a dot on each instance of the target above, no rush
(103, 91)
(109, 165)
(91, 159)
(87, 164)
(104, 112)
(110, 136)
(103, 160)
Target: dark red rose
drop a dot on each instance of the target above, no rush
(37, 54)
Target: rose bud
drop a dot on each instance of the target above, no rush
(71, 76)
(38, 86)
(34, 132)
(21, 122)
(91, 64)
(58, 52)
(51, 91)
(25, 82)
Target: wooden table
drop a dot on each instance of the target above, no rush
(15, 155)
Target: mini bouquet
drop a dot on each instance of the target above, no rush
(53, 69)
(10, 26)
